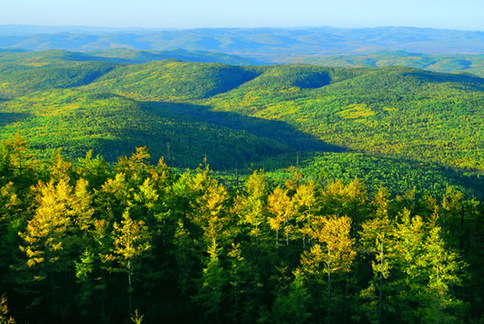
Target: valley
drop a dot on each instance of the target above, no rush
(237, 115)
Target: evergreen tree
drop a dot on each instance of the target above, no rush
(130, 242)
(46, 237)
(377, 238)
(333, 248)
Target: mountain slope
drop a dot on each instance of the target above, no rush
(395, 111)
(20, 80)
(238, 115)
(173, 80)
(112, 125)
(438, 63)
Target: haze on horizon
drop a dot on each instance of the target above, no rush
(184, 14)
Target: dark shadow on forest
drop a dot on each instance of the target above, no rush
(287, 138)
(10, 118)
(276, 130)
(471, 180)
(465, 78)
(184, 134)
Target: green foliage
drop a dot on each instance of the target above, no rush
(21, 79)
(172, 80)
(113, 126)
(238, 115)
(395, 174)
(187, 247)
(438, 63)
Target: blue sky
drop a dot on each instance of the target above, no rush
(450, 14)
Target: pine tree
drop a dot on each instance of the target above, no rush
(304, 201)
(130, 242)
(333, 248)
(377, 237)
(46, 236)
(17, 163)
(251, 206)
(94, 170)
(212, 282)
(279, 205)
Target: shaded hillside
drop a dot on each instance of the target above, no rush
(299, 76)
(395, 111)
(19, 80)
(236, 115)
(173, 80)
(397, 175)
(113, 125)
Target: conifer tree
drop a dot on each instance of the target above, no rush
(46, 236)
(279, 204)
(17, 163)
(130, 242)
(377, 237)
(304, 201)
(212, 282)
(251, 205)
(94, 170)
(333, 248)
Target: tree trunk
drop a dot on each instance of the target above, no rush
(130, 285)
(381, 285)
(329, 286)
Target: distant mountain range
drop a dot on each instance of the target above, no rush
(460, 63)
(267, 45)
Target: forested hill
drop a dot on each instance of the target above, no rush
(237, 115)
(440, 63)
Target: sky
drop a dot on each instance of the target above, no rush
(444, 14)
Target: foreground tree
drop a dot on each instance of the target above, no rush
(47, 239)
(333, 248)
(130, 241)
(377, 238)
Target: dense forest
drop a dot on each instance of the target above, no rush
(215, 193)
(132, 242)
(426, 125)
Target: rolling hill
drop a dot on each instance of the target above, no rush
(439, 63)
(237, 115)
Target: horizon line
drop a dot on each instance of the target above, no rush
(233, 28)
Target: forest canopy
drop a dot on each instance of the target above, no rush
(88, 241)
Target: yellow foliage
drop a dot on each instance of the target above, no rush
(290, 90)
(356, 111)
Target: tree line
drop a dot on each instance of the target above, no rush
(130, 242)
